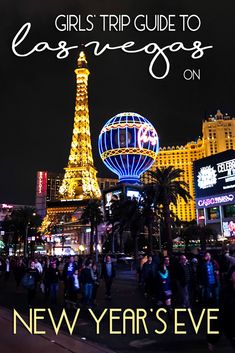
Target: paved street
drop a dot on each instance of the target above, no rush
(126, 294)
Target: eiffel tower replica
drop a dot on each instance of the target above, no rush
(80, 182)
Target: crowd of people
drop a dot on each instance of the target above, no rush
(79, 277)
(188, 281)
(183, 280)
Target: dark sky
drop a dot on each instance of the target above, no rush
(38, 91)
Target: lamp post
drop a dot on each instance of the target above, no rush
(26, 235)
(26, 239)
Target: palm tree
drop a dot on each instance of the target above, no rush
(149, 215)
(126, 214)
(169, 186)
(92, 215)
(20, 222)
(118, 219)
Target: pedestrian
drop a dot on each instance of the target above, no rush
(87, 282)
(31, 285)
(75, 289)
(149, 276)
(164, 285)
(38, 266)
(108, 274)
(96, 282)
(184, 277)
(45, 281)
(69, 269)
(209, 279)
(53, 280)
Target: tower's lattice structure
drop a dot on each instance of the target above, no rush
(80, 181)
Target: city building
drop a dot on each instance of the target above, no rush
(214, 179)
(218, 135)
(47, 189)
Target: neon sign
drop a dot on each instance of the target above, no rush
(207, 177)
(215, 200)
(42, 181)
(147, 134)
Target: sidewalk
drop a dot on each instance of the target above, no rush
(24, 342)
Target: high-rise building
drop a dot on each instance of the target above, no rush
(47, 189)
(80, 181)
(54, 181)
(218, 135)
(181, 157)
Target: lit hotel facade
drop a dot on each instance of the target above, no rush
(218, 135)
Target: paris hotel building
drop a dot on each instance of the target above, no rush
(218, 135)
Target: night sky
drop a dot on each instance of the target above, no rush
(38, 91)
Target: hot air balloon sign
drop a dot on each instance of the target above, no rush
(128, 145)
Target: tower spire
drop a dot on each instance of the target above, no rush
(80, 181)
(82, 61)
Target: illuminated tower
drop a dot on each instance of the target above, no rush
(218, 133)
(80, 181)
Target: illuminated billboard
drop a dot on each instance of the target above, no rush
(41, 193)
(229, 229)
(215, 175)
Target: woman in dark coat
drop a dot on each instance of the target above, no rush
(164, 285)
(33, 273)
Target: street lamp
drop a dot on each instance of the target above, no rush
(26, 236)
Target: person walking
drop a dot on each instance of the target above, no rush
(108, 273)
(31, 285)
(184, 276)
(210, 281)
(149, 276)
(69, 269)
(87, 282)
(96, 282)
(164, 285)
(53, 281)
